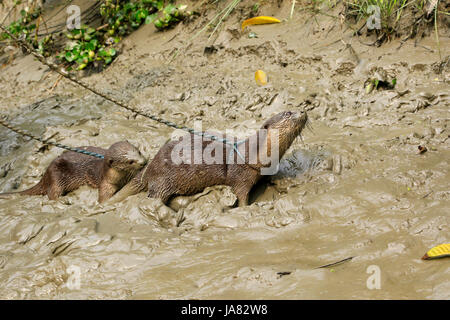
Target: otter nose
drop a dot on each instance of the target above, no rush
(142, 161)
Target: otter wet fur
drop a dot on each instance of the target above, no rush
(163, 178)
(69, 171)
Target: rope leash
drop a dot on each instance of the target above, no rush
(59, 145)
(69, 76)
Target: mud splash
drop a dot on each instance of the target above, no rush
(355, 188)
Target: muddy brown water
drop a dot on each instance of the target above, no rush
(355, 187)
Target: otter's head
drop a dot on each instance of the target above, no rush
(124, 157)
(288, 125)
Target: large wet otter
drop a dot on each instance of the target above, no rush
(69, 171)
(163, 177)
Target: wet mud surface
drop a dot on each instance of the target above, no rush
(356, 185)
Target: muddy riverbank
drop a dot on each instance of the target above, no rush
(355, 187)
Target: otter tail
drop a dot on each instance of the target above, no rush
(33, 191)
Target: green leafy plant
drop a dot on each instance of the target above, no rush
(25, 29)
(86, 48)
(124, 16)
(171, 15)
(23, 26)
(88, 45)
(44, 46)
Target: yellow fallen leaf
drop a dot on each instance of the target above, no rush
(259, 20)
(261, 78)
(440, 251)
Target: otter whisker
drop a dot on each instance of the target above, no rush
(309, 126)
(301, 138)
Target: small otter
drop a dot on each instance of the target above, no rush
(71, 170)
(163, 178)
